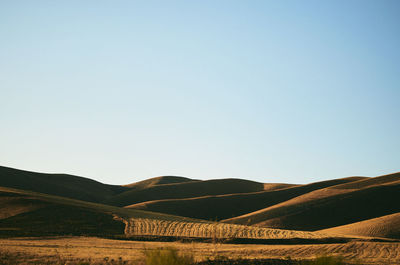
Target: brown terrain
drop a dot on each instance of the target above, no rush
(355, 217)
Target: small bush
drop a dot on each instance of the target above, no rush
(325, 260)
(166, 256)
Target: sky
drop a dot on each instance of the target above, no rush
(271, 91)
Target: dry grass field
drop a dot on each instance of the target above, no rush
(74, 249)
(387, 226)
(154, 227)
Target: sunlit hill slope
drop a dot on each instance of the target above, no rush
(37, 204)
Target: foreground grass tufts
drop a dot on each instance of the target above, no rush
(166, 256)
(325, 260)
(13, 258)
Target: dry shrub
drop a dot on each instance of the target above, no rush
(326, 260)
(166, 256)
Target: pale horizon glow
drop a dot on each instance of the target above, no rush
(270, 91)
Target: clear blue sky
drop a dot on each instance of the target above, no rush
(273, 91)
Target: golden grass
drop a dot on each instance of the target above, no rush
(11, 206)
(368, 182)
(278, 186)
(182, 190)
(58, 184)
(167, 256)
(122, 212)
(261, 215)
(139, 223)
(163, 180)
(219, 207)
(143, 223)
(97, 249)
(387, 226)
(329, 207)
(155, 227)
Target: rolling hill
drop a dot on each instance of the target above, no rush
(329, 207)
(58, 184)
(157, 181)
(387, 226)
(220, 207)
(50, 215)
(37, 204)
(30, 214)
(187, 189)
